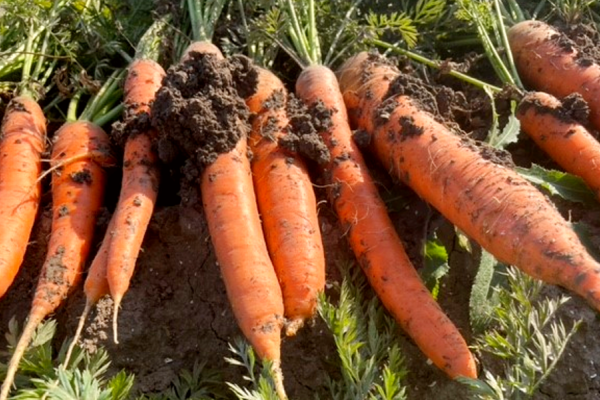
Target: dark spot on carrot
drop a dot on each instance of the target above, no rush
(580, 278)
(409, 129)
(55, 268)
(137, 201)
(63, 211)
(84, 176)
(18, 141)
(362, 138)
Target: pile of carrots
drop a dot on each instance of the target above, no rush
(262, 212)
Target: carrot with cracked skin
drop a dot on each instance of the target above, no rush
(79, 152)
(287, 204)
(21, 148)
(491, 203)
(374, 239)
(544, 118)
(139, 187)
(550, 62)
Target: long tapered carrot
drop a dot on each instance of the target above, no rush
(139, 188)
(550, 62)
(374, 239)
(287, 204)
(566, 141)
(235, 229)
(81, 149)
(491, 203)
(21, 145)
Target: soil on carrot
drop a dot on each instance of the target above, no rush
(176, 312)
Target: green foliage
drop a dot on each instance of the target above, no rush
(558, 183)
(525, 336)
(202, 383)
(436, 264)
(260, 377)
(371, 362)
(483, 297)
(43, 376)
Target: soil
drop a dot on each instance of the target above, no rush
(176, 311)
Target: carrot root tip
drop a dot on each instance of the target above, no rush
(115, 319)
(292, 326)
(278, 381)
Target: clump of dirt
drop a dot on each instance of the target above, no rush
(573, 109)
(306, 123)
(132, 123)
(199, 112)
(584, 38)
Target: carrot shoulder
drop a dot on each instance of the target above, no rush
(566, 141)
(374, 240)
(287, 204)
(492, 204)
(79, 152)
(548, 61)
(21, 146)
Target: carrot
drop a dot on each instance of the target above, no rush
(231, 212)
(544, 118)
(287, 204)
(374, 239)
(21, 146)
(362, 212)
(139, 188)
(80, 150)
(550, 62)
(490, 203)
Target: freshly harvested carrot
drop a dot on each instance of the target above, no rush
(235, 229)
(139, 188)
(287, 204)
(566, 141)
(21, 147)
(550, 62)
(363, 214)
(491, 203)
(80, 151)
(374, 239)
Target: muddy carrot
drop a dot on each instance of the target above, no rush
(287, 204)
(21, 146)
(550, 62)
(544, 118)
(139, 188)
(371, 233)
(491, 203)
(79, 152)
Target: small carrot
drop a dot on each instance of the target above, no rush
(139, 188)
(79, 152)
(287, 204)
(550, 62)
(371, 234)
(491, 203)
(21, 147)
(544, 118)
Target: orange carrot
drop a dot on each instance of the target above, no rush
(374, 239)
(555, 131)
(80, 150)
(233, 221)
(139, 187)
(21, 146)
(287, 204)
(550, 62)
(491, 203)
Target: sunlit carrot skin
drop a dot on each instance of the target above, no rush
(553, 66)
(236, 233)
(287, 205)
(565, 140)
(374, 240)
(81, 150)
(139, 187)
(21, 146)
(492, 204)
